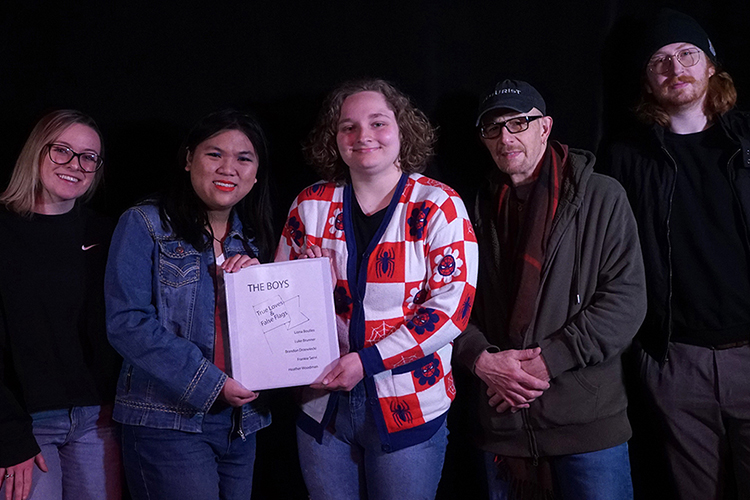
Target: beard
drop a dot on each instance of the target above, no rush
(670, 98)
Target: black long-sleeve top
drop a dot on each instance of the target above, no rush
(53, 346)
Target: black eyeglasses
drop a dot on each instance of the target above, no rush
(514, 126)
(62, 155)
(663, 64)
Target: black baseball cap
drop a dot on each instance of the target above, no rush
(515, 95)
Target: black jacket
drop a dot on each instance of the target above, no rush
(648, 173)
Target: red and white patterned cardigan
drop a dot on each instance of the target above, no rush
(421, 274)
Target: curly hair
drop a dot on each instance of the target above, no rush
(721, 96)
(415, 132)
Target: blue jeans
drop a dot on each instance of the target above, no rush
(170, 464)
(597, 475)
(81, 446)
(351, 464)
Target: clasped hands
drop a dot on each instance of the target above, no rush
(514, 378)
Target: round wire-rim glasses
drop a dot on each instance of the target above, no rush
(686, 57)
(61, 154)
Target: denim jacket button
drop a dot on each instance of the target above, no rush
(180, 250)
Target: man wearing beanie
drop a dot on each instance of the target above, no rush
(688, 179)
(561, 295)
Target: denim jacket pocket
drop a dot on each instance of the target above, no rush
(255, 416)
(179, 265)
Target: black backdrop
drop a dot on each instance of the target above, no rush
(147, 70)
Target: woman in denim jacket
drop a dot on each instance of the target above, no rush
(188, 427)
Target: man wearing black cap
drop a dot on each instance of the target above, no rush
(688, 180)
(561, 294)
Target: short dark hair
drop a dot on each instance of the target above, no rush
(185, 211)
(416, 134)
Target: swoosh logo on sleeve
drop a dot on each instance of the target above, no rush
(84, 247)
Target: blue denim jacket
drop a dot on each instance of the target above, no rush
(160, 317)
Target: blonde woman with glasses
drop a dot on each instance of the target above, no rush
(57, 371)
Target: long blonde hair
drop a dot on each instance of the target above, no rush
(25, 183)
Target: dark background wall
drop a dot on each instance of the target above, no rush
(147, 70)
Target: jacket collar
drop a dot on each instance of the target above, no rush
(236, 227)
(580, 166)
(723, 121)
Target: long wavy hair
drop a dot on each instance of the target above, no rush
(415, 132)
(721, 96)
(25, 183)
(185, 212)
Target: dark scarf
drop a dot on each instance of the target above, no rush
(539, 214)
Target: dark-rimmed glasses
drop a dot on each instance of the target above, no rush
(663, 64)
(61, 154)
(514, 126)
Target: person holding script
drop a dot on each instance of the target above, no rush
(405, 259)
(189, 428)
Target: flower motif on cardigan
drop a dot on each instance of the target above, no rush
(337, 223)
(293, 230)
(447, 266)
(418, 221)
(424, 321)
(429, 373)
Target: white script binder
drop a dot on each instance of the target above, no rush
(282, 323)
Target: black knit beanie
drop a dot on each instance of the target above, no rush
(670, 26)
